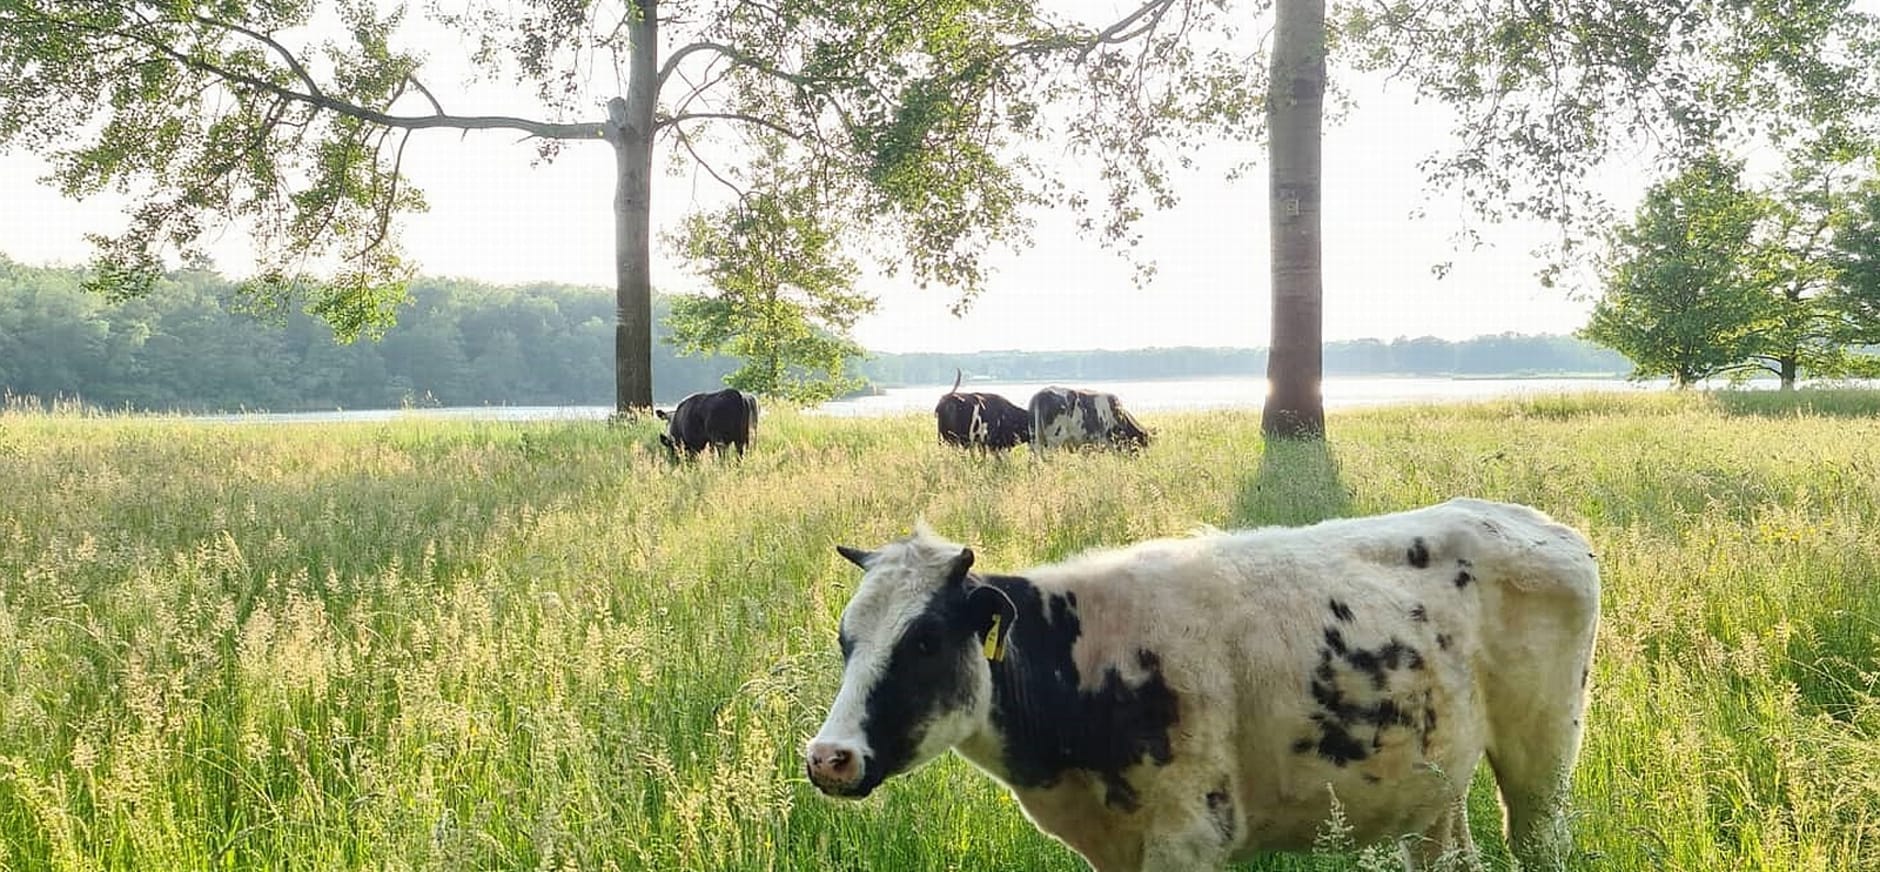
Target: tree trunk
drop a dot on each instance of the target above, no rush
(1789, 370)
(1295, 111)
(631, 120)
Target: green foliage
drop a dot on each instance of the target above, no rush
(783, 295)
(191, 111)
(435, 644)
(1716, 277)
(1680, 297)
(1545, 93)
(195, 342)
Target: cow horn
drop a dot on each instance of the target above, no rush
(856, 555)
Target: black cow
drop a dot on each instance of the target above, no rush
(714, 418)
(1067, 416)
(979, 420)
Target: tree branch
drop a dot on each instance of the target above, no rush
(671, 120)
(319, 100)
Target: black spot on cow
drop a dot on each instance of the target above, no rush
(1463, 578)
(1050, 725)
(1341, 611)
(1419, 614)
(1443, 641)
(1337, 745)
(1341, 714)
(1419, 553)
(1221, 812)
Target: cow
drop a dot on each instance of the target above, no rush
(1183, 703)
(1067, 416)
(980, 420)
(711, 418)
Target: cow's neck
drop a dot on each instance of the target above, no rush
(1047, 719)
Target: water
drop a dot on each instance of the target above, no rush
(1341, 392)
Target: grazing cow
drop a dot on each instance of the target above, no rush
(1183, 703)
(1066, 416)
(976, 420)
(714, 418)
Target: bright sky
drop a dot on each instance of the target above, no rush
(495, 217)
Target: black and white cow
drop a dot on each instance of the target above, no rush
(1183, 703)
(980, 420)
(1067, 416)
(712, 418)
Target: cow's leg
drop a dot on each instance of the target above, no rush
(1446, 845)
(1532, 754)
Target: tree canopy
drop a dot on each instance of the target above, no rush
(1718, 276)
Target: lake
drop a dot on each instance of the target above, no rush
(1148, 395)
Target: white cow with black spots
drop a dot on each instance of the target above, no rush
(1182, 703)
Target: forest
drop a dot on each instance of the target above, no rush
(196, 343)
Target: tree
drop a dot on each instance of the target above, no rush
(1682, 298)
(205, 112)
(1855, 256)
(784, 294)
(1718, 277)
(1542, 94)
(1811, 318)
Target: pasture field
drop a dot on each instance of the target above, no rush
(460, 645)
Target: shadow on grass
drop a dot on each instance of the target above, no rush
(1823, 402)
(1297, 482)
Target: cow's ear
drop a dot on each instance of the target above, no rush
(662, 414)
(666, 441)
(962, 564)
(992, 614)
(856, 555)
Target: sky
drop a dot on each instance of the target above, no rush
(496, 216)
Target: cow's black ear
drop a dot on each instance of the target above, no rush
(662, 414)
(856, 555)
(665, 440)
(960, 566)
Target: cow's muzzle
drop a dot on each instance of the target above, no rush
(837, 770)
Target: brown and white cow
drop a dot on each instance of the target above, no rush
(1182, 703)
(1071, 417)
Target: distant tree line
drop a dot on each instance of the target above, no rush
(1507, 354)
(197, 344)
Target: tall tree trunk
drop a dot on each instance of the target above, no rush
(1789, 370)
(1295, 110)
(632, 137)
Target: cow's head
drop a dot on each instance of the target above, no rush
(915, 679)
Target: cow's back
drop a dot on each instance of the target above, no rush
(1375, 656)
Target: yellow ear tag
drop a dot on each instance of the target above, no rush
(995, 640)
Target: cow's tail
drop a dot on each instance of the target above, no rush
(957, 375)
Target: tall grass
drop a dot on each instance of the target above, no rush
(487, 645)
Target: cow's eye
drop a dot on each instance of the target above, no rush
(926, 642)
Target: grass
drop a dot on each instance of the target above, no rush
(457, 645)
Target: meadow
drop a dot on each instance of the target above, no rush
(461, 645)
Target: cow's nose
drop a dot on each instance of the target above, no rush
(833, 766)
